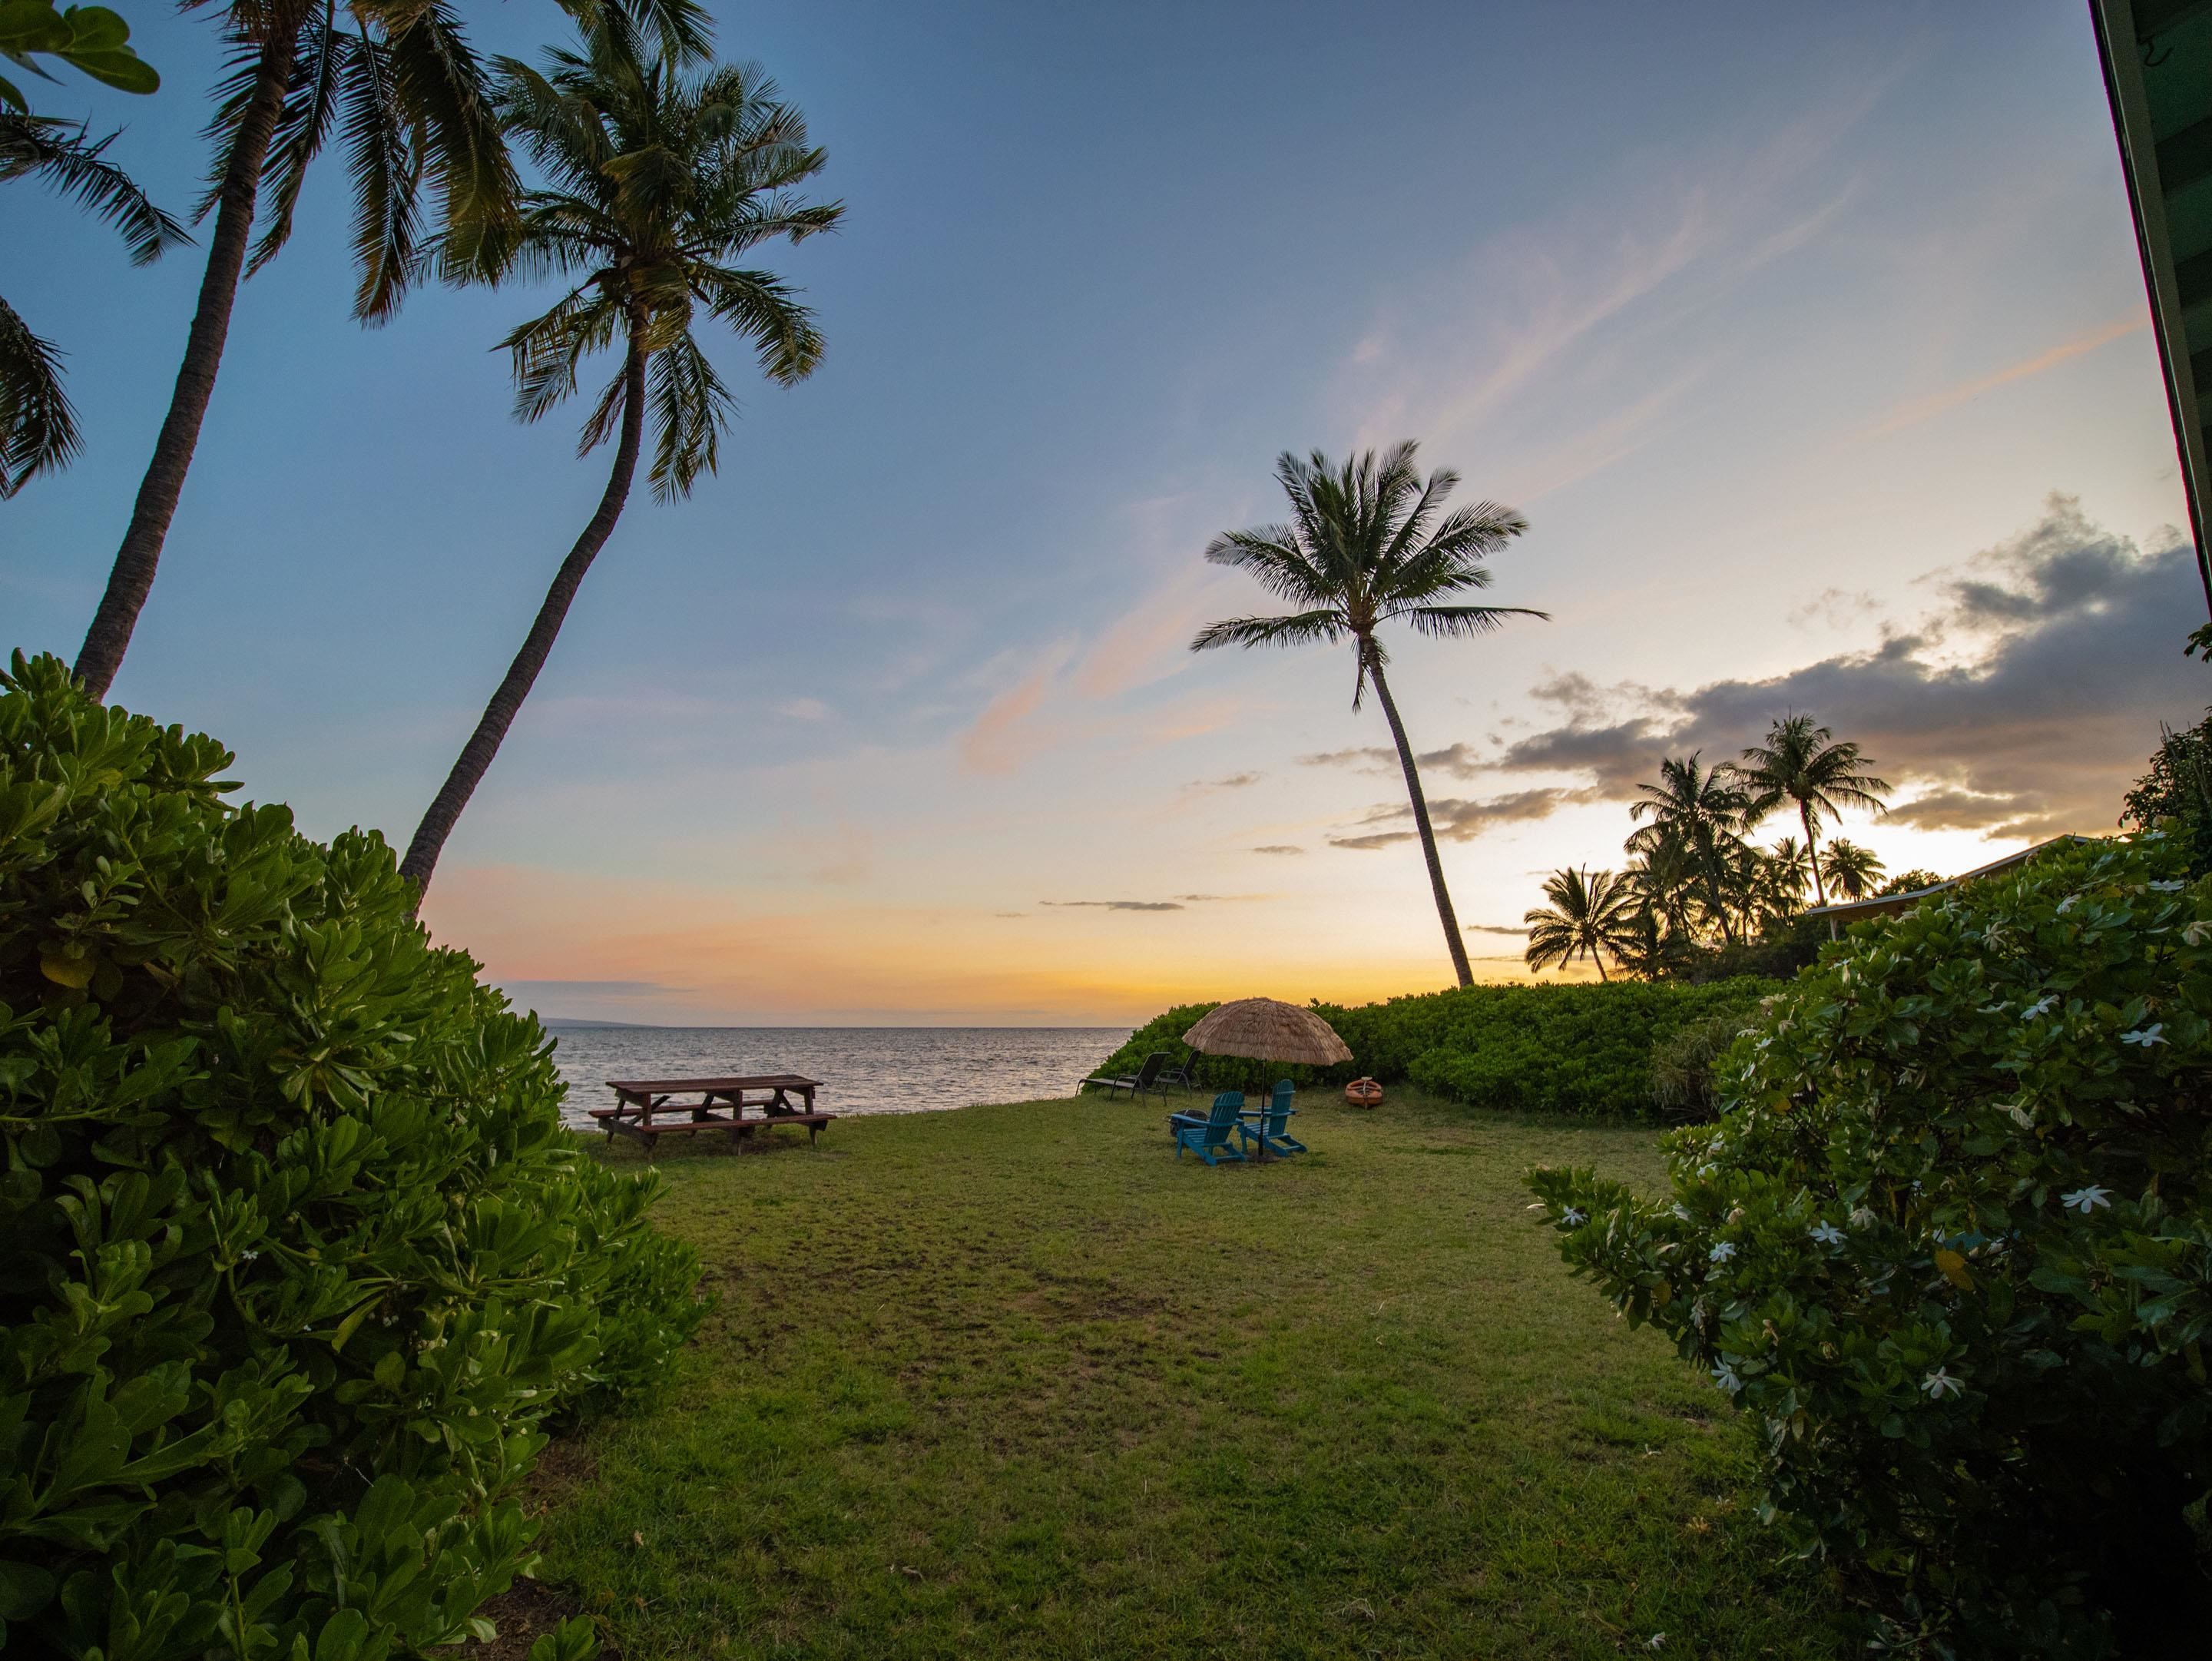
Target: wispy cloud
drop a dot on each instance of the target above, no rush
(1913, 412)
(1458, 820)
(1278, 848)
(1117, 905)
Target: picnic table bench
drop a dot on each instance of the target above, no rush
(646, 1108)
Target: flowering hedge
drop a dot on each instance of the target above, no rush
(297, 1264)
(1950, 1245)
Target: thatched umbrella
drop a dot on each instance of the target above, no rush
(1265, 1029)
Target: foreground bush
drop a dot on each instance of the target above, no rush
(296, 1260)
(1951, 1245)
(1578, 1050)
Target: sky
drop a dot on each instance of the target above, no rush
(1811, 342)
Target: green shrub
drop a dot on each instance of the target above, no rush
(1950, 1244)
(1578, 1049)
(296, 1260)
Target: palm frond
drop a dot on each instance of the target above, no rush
(59, 154)
(547, 350)
(1295, 629)
(302, 126)
(690, 406)
(384, 170)
(764, 309)
(1464, 622)
(1272, 555)
(439, 86)
(38, 427)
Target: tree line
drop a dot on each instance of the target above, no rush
(651, 175)
(1696, 885)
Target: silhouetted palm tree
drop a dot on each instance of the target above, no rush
(1802, 762)
(1368, 544)
(1851, 870)
(400, 85)
(656, 180)
(1592, 915)
(1702, 811)
(38, 427)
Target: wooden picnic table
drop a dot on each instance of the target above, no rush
(646, 1108)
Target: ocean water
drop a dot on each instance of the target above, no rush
(863, 1069)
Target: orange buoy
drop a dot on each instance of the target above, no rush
(1363, 1092)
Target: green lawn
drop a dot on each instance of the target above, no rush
(1014, 1382)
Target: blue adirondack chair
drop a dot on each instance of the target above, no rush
(1274, 1129)
(1208, 1137)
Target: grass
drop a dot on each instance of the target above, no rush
(1014, 1382)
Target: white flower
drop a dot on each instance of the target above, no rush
(2146, 1036)
(1828, 1234)
(2196, 933)
(2165, 887)
(247, 1256)
(1861, 1218)
(1680, 1210)
(1656, 1642)
(1722, 1253)
(1940, 1383)
(2066, 904)
(1573, 1218)
(2020, 1114)
(1725, 1376)
(2039, 1008)
(2087, 1200)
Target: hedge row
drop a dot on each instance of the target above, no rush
(1579, 1049)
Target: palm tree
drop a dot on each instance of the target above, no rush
(1703, 811)
(1591, 914)
(38, 427)
(398, 78)
(1801, 761)
(657, 180)
(1366, 546)
(1849, 870)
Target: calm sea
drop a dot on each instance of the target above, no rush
(863, 1069)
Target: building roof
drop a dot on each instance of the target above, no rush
(1855, 910)
(2158, 74)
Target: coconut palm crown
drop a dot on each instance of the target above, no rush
(1803, 762)
(658, 183)
(1370, 543)
(1700, 811)
(1592, 913)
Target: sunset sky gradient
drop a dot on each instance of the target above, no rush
(1812, 343)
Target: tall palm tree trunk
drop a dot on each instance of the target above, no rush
(475, 756)
(131, 577)
(1458, 946)
(1716, 890)
(1813, 851)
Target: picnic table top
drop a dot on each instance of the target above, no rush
(761, 1081)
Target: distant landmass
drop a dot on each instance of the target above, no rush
(565, 1023)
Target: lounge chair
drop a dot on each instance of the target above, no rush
(1146, 1077)
(1178, 1075)
(1208, 1137)
(1273, 1131)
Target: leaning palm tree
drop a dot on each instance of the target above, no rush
(656, 181)
(1368, 544)
(399, 81)
(38, 427)
(1592, 915)
(1702, 811)
(1803, 762)
(1849, 870)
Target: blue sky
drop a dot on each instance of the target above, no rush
(1784, 329)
